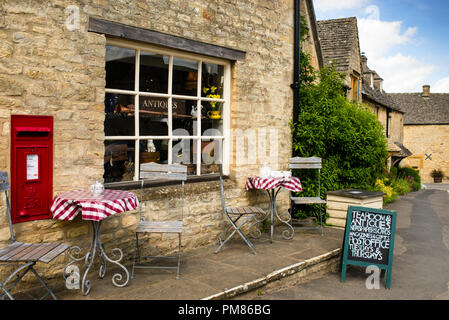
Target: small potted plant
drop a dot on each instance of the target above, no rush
(437, 175)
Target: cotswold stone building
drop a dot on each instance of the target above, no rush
(128, 82)
(426, 130)
(387, 112)
(339, 40)
(312, 43)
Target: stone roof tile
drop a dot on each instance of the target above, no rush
(380, 97)
(423, 110)
(337, 37)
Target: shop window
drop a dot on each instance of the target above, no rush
(165, 107)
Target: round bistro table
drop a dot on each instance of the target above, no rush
(272, 186)
(94, 208)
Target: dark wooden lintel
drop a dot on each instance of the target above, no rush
(114, 29)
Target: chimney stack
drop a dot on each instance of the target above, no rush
(425, 91)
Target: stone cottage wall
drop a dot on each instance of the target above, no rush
(432, 140)
(309, 45)
(47, 69)
(397, 121)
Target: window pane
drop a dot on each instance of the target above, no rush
(152, 150)
(120, 68)
(212, 120)
(153, 72)
(184, 151)
(184, 117)
(153, 116)
(212, 80)
(185, 77)
(118, 160)
(211, 155)
(119, 115)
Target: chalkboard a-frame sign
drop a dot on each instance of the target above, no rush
(369, 239)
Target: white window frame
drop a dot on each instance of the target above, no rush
(225, 137)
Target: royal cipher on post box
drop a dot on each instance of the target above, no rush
(31, 167)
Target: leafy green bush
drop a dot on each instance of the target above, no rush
(346, 135)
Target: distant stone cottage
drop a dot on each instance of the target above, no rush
(426, 130)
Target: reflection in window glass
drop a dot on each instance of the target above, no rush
(118, 160)
(120, 68)
(153, 72)
(185, 77)
(119, 115)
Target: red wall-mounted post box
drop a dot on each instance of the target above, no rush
(31, 167)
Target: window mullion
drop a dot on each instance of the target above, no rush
(169, 110)
(198, 119)
(137, 117)
(226, 119)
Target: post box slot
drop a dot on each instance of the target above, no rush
(32, 131)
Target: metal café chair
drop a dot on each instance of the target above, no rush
(237, 218)
(155, 171)
(24, 255)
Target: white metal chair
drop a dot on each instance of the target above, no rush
(233, 215)
(155, 171)
(25, 255)
(308, 163)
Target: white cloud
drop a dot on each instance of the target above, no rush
(333, 5)
(441, 86)
(402, 73)
(373, 12)
(377, 37)
(379, 40)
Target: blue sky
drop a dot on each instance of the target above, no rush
(406, 41)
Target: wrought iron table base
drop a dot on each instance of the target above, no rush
(286, 234)
(89, 257)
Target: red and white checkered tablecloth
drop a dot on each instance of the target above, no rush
(292, 184)
(68, 205)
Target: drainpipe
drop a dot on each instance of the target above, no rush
(296, 60)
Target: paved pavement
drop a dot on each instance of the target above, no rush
(420, 271)
(420, 265)
(204, 273)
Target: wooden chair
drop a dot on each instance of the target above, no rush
(233, 215)
(155, 171)
(25, 255)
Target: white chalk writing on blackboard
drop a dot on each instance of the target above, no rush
(369, 236)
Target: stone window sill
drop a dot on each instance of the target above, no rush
(130, 185)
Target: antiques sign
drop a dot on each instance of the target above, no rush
(369, 239)
(155, 104)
